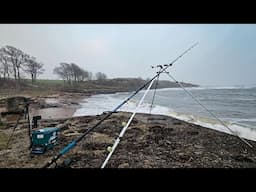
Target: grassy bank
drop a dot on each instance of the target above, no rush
(46, 86)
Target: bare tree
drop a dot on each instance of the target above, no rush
(100, 76)
(79, 74)
(71, 73)
(34, 68)
(63, 71)
(75, 70)
(90, 76)
(16, 57)
(60, 72)
(84, 75)
(1, 70)
(6, 68)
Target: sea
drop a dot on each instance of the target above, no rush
(234, 105)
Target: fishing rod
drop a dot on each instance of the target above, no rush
(211, 113)
(112, 149)
(74, 142)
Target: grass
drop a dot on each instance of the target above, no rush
(49, 86)
(45, 82)
(49, 82)
(39, 88)
(44, 86)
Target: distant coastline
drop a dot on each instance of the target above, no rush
(47, 87)
(121, 85)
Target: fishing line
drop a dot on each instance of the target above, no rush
(153, 98)
(126, 126)
(211, 113)
(154, 94)
(74, 143)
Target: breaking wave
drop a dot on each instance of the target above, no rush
(98, 104)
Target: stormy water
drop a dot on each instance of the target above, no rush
(234, 105)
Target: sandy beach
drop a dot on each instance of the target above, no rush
(57, 106)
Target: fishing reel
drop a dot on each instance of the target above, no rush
(161, 67)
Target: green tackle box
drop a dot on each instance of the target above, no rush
(44, 139)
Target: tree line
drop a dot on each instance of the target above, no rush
(71, 73)
(14, 61)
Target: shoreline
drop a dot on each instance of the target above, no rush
(65, 104)
(58, 106)
(207, 122)
(151, 141)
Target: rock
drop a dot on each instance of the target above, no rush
(193, 132)
(170, 129)
(146, 164)
(135, 121)
(198, 152)
(184, 157)
(168, 142)
(177, 123)
(124, 165)
(241, 158)
(199, 146)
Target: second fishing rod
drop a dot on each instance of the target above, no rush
(74, 143)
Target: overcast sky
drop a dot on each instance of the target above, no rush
(225, 55)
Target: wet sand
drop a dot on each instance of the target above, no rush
(55, 113)
(57, 106)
